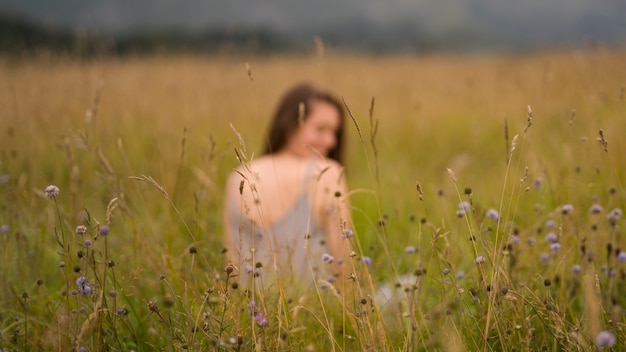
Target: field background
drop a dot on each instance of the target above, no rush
(90, 126)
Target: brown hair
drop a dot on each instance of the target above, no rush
(286, 116)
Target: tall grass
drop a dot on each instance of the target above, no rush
(485, 190)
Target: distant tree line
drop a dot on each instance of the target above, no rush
(20, 36)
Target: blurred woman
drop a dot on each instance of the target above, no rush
(286, 214)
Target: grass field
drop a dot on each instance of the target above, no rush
(493, 185)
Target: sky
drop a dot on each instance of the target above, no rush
(543, 22)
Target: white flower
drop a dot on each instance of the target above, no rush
(51, 191)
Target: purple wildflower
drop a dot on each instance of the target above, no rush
(460, 275)
(410, 249)
(367, 260)
(576, 269)
(531, 241)
(514, 239)
(347, 233)
(554, 247)
(87, 290)
(614, 216)
(261, 320)
(248, 269)
(605, 339)
(595, 209)
(51, 191)
(493, 214)
(87, 243)
(252, 308)
(103, 230)
(464, 208)
(552, 237)
(538, 183)
(544, 257)
(621, 257)
(327, 258)
(81, 281)
(550, 224)
(567, 209)
(4, 228)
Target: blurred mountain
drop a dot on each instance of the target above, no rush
(270, 25)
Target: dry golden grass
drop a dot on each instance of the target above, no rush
(95, 128)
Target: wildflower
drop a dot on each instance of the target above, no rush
(460, 275)
(514, 239)
(552, 237)
(614, 216)
(87, 290)
(493, 214)
(538, 183)
(248, 269)
(567, 209)
(81, 230)
(621, 257)
(4, 179)
(595, 209)
(87, 243)
(347, 233)
(261, 320)
(410, 250)
(327, 258)
(465, 207)
(480, 259)
(339, 261)
(51, 191)
(367, 260)
(252, 308)
(550, 224)
(531, 241)
(608, 272)
(605, 339)
(544, 257)
(112, 293)
(460, 213)
(81, 281)
(445, 271)
(121, 311)
(555, 247)
(103, 230)
(62, 264)
(576, 269)
(4, 228)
